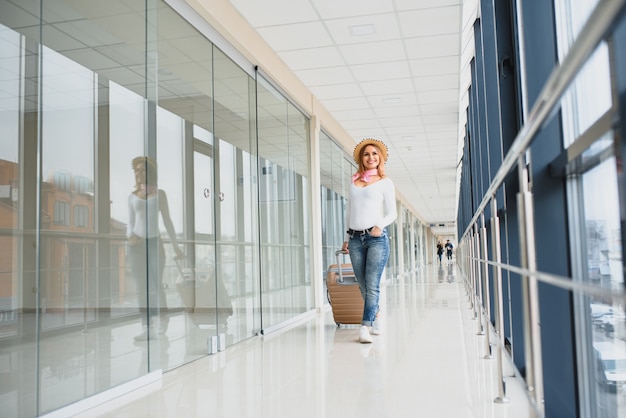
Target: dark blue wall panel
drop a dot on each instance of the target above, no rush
(557, 328)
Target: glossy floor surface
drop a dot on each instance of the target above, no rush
(429, 362)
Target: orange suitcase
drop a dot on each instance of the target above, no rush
(344, 294)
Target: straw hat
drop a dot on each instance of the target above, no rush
(369, 141)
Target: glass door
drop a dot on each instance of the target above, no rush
(222, 296)
(197, 283)
(237, 284)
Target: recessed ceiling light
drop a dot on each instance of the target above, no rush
(391, 100)
(362, 30)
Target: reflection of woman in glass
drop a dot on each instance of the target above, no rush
(146, 252)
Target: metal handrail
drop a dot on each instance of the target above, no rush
(563, 282)
(606, 13)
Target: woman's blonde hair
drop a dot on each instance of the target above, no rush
(151, 170)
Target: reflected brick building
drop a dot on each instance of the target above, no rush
(71, 274)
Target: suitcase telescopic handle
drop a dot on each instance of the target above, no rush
(340, 280)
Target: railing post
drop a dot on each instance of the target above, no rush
(479, 280)
(499, 300)
(485, 293)
(530, 295)
(470, 270)
(473, 273)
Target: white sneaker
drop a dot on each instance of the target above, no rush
(364, 335)
(143, 336)
(377, 327)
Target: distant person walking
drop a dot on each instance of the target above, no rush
(449, 248)
(439, 250)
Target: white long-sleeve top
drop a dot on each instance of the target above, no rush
(372, 205)
(140, 210)
(143, 218)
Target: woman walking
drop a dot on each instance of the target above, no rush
(439, 250)
(371, 208)
(145, 248)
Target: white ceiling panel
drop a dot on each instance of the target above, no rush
(433, 46)
(337, 91)
(393, 100)
(438, 82)
(414, 129)
(377, 88)
(424, 4)
(304, 59)
(361, 124)
(326, 76)
(386, 112)
(440, 96)
(291, 11)
(434, 66)
(360, 132)
(381, 71)
(329, 9)
(354, 114)
(451, 118)
(301, 36)
(350, 103)
(368, 53)
(436, 108)
(399, 122)
(433, 21)
(371, 28)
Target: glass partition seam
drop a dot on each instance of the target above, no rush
(258, 190)
(38, 211)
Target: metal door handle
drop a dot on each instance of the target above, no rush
(206, 192)
(221, 196)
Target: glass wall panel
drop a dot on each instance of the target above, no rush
(334, 193)
(605, 320)
(405, 218)
(10, 107)
(283, 175)
(393, 264)
(19, 63)
(421, 244)
(68, 280)
(595, 225)
(237, 291)
(67, 184)
(302, 294)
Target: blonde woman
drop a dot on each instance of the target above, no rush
(145, 249)
(371, 208)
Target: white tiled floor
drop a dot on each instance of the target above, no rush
(429, 362)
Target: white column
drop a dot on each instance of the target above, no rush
(317, 270)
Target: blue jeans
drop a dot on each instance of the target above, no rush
(369, 255)
(147, 261)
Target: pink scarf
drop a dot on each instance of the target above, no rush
(146, 190)
(365, 176)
